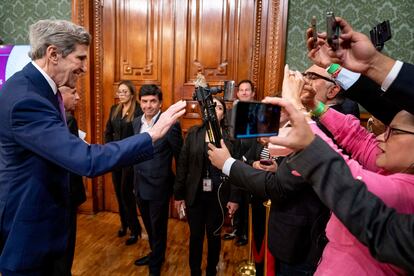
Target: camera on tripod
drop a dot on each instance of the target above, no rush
(204, 95)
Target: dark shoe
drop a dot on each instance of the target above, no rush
(132, 239)
(142, 261)
(122, 232)
(229, 236)
(242, 240)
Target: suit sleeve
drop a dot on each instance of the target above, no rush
(37, 127)
(368, 94)
(401, 90)
(387, 234)
(266, 185)
(182, 170)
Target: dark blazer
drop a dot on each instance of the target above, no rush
(387, 234)
(385, 105)
(190, 168)
(297, 217)
(118, 128)
(347, 106)
(154, 179)
(37, 151)
(77, 190)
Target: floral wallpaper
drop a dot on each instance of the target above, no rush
(362, 14)
(17, 15)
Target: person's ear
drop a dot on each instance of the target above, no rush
(52, 53)
(333, 91)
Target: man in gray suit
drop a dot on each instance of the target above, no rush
(154, 178)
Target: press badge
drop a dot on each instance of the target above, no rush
(207, 185)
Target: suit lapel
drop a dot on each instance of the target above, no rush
(42, 86)
(136, 124)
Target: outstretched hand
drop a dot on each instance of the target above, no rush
(167, 119)
(300, 135)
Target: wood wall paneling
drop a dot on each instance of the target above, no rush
(167, 42)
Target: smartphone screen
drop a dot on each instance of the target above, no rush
(255, 119)
(314, 32)
(332, 31)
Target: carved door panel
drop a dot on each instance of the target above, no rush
(167, 42)
(137, 45)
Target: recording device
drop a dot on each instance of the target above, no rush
(266, 162)
(380, 34)
(204, 95)
(255, 119)
(314, 32)
(332, 31)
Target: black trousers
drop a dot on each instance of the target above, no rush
(123, 181)
(154, 213)
(241, 217)
(205, 216)
(258, 225)
(62, 266)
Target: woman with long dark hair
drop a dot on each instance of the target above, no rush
(118, 127)
(196, 190)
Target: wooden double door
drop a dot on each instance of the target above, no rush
(167, 42)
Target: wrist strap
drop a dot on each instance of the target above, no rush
(319, 110)
(334, 70)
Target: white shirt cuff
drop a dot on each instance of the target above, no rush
(392, 75)
(227, 166)
(347, 78)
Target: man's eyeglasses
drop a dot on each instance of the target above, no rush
(315, 76)
(394, 131)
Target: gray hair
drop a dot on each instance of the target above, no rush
(63, 34)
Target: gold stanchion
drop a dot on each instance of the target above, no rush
(247, 267)
(267, 204)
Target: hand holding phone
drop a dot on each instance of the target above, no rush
(266, 162)
(332, 31)
(255, 119)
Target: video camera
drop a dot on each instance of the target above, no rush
(204, 95)
(380, 34)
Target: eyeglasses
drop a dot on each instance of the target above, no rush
(394, 131)
(315, 76)
(122, 92)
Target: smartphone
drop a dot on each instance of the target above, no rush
(266, 162)
(314, 32)
(254, 119)
(332, 30)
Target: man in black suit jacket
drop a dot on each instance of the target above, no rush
(154, 179)
(329, 92)
(70, 99)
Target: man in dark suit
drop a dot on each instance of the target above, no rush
(329, 92)
(37, 150)
(154, 179)
(70, 99)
